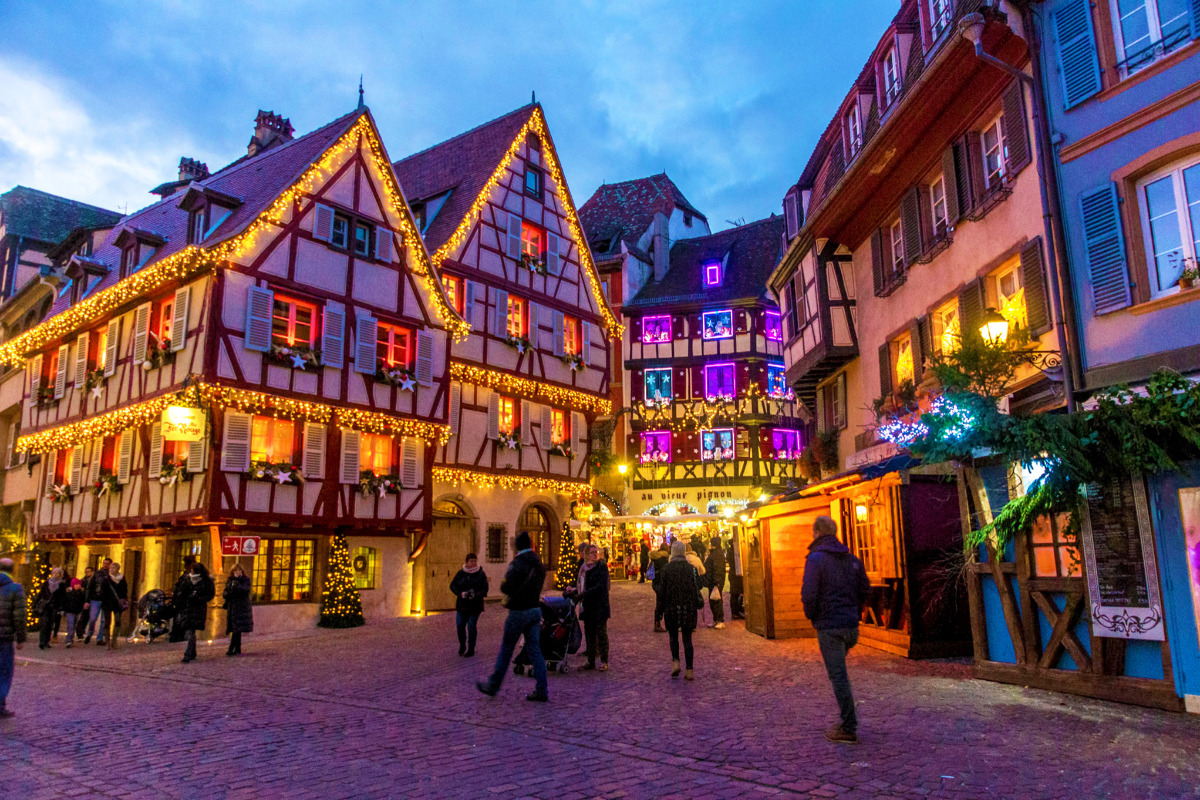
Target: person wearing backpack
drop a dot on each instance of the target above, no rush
(522, 588)
(680, 592)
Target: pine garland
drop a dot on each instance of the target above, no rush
(341, 605)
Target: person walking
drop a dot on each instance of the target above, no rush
(113, 602)
(12, 629)
(73, 605)
(95, 589)
(192, 608)
(181, 591)
(645, 561)
(680, 591)
(697, 564)
(737, 598)
(834, 590)
(470, 587)
(84, 616)
(522, 587)
(239, 611)
(48, 604)
(714, 568)
(659, 559)
(592, 591)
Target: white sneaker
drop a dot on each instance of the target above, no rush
(719, 625)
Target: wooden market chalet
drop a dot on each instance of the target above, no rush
(532, 375)
(281, 314)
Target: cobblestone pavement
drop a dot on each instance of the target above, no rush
(390, 710)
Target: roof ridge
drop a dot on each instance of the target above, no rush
(61, 199)
(466, 133)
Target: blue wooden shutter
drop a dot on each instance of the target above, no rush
(425, 358)
(514, 236)
(1078, 63)
(1195, 19)
(322, 222)
(1104, 245)
(366, 343)
(333, 335)
(259, 308)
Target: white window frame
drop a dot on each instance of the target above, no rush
(1000, 149)
(1182, 218)
(854, 140)
(935, 202)
(1013, 269)
(891, 77)
(940, 12)
(1153, 25)
(896, 257)
(938, 321)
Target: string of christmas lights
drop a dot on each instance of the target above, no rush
(530, 389)
(484, 480)
(375, 422)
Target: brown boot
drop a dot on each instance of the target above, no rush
(841, 735)
(687, 675)
(675, 668)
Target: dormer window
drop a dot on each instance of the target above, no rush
(853, 131)
(713, 274)
(128, 256)
(940, 12)
(341, 230)
(196, 226)
(891, 77)
(687, 219)
(362, 239)
(533, 181)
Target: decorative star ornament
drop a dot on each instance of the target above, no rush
(97, 392)
(574, 366)
(283, 477)
(512, 443)
(408, 384)
(297, 361)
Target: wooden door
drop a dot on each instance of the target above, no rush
(450, 541)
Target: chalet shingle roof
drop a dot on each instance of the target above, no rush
(623, 211)
(256, 181)
(46, 217)
(752, 249)
(461, 166)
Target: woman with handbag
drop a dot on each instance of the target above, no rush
(680, 593)
(470, 587)
(592, 590)
(239, 613)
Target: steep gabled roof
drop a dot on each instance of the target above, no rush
(622, 212)
(749, 251)
(462, 166)
(46, 217)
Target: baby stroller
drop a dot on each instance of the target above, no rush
(560, 636)
(155, 615)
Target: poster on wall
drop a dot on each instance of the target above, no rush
(1118, 552)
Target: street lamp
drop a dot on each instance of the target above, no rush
(994, 329)
(622, 468)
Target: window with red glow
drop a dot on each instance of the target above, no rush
(375, 454)
(174, 453)
(62, 466)
(272, 440)
(395, 345)
(453, 288)
(516, 316)
(293, 322)
(508, 415)
(108, 455)
(558, 425)
(532, 239)
(165, 315)
(570, 336)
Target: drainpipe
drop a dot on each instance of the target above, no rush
(971, 27)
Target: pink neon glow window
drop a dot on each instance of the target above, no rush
(786, 443)
(656, 447)
(656, 329)
(716, 445)
(774, 327)
(719, 381)
(717, 324)
(712, 273)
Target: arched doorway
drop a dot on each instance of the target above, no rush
(537, 521)
(451, 538)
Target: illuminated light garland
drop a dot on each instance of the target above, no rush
(902, 433)
(536, 125)
(375, 422)
(530, 389)
(485, 480)
(192, 259)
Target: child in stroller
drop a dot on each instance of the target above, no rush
(155, 615)
(560, 636)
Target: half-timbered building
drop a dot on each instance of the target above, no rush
(527, 382)
(260, 353)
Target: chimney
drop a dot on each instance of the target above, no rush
(270, 129)
(662, 247)
(192, 170)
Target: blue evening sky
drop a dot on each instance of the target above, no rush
(98, 100)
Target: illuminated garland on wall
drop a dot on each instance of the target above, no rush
(216, 395)
(530, 389)
(537, 125)
(484, 480)
(193, 259)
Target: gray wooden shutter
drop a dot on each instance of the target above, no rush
(410, 462)
(60, 377)
(235, 442)
(349, 464)
(260, 307)
(950, 186)
(313, 464)
(366, 344)
(425, 358)
(579, 431)
(179, 317)
(469, 301)
(455, 406)
(585, 332)
(514, 236)
(978, 180)
(1037, 310)
(547, 428)
(526, 422)
(383, 243)
(819, 411)
(553, 262)
(35, 378)
(1104, 243)
(839, 401)
(877, 262)
(76, 478)
(885, 369)
(154, 468)
(322, 222)
(81, 359)
(918, 351)
(97, 458)
(1016, 133)
(493, 416)
(925, 327)
(910, 224)
(333, 335)
(500, 315)
(1078, 64)
(970, 311)
(125, 456)
(789, 210)
(111, 346)
(51, 462)
(533, 323)
(559, 335)
(197, 457)
(141, 332)
(962, 177)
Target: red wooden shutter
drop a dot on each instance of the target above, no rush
(697, 382)
(637, 391)
(975, 160)
(962, 178)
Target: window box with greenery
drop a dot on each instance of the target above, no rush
(404, 378)
(1189, 276)
(371, 483)
(59, 493)
(561, 449)
(283, 473)
(45, 396)
(521, 343)
(508, 441)
(534, 263)
(158, 354)
(107, 483)
(294, 356)
(94, 378)
(173, 472)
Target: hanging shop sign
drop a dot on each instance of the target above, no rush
(240, 545)
(183, 424)
(1122, 572)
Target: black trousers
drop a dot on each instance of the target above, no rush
(189, 652)
(596, 635)
(49, 623)
(675, 629)
(235, 642)
(659, 609)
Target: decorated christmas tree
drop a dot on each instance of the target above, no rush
(41, 571)
(341, 607)
(567, 573)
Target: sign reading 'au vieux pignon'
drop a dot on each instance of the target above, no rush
(183, 424)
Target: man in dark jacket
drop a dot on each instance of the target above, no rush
(95, 591)
(714, 573)
(12, 628)
(523, 587)
(645, 562)
(659, 559)
(835, 588)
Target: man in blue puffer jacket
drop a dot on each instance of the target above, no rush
(12, 628)
(835, 588)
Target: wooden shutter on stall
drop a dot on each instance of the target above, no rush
(313, 465)
(383, 243)
(322, 222)
(493, 416)
(885, 369)
(111, 345)
(333, 335)
(235, 442)
(547, 428)
(1078, 64)
(455, 406)
(425, 358)
(950, 186)
(155, 465)
(526, 423)
(260, 307)
(1037, 309)
(910, 224)
(179, 317)
(60, 376)
(197, 459)
(970, 310)
(366, 343)
(125, 456)
(876, 263)
(514, 237)
(553, 260)
(558, 333)
(918, 351)
(35, 378)
(410, 462)
(1104, 245)
(1016, 132)
(348, 466)
(81, 359)
(76, 478)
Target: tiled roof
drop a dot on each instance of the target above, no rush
(623, 211)
(461, 166)
(47, 217)
(256, 181)
(753, 250)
